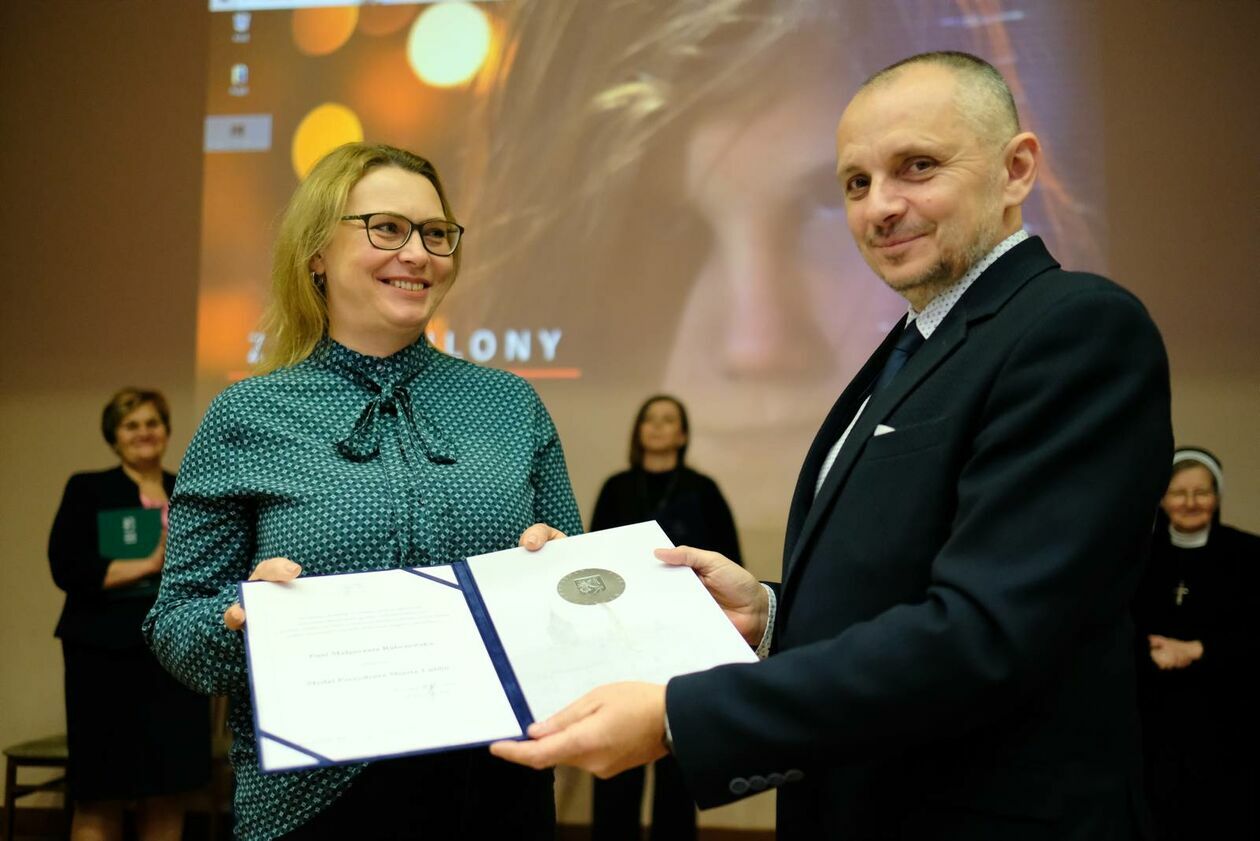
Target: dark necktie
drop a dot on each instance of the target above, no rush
(908, 342)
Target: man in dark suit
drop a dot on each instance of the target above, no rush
(950, 645)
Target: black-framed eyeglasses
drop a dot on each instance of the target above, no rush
(391, 231)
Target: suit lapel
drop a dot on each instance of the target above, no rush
(837, 419)
(984, 298)
(943, 342)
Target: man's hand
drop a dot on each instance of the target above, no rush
(606, 731)
(272, 569)
(1169, 653)
(736, 590)
(538, 535)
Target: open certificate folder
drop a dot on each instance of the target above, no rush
(348, 668)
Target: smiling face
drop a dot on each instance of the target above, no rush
(927, 191)
(380, 301)
(1190, 500)
(141, 436)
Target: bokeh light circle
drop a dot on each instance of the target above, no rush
(322, 130)
(448, 43)
(323, 31)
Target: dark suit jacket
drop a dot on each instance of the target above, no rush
(952, 649)
(91, 615)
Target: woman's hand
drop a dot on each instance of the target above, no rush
(736, 590)
(538, 535)
(1169, 653)
(272, 569)
(123, 573)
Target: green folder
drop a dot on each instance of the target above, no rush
(125, 533)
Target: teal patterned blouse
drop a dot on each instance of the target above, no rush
(342, 463)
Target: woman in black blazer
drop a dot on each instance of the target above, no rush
(135, 734)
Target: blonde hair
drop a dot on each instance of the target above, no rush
(296, 318)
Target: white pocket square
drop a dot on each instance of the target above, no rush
(881, 429)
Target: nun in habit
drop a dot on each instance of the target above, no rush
(1196, 621)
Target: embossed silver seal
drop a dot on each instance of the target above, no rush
(591, 586)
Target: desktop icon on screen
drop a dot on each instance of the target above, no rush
(239, 80)
(240, 27)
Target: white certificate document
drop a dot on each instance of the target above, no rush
(367, 665)
(347, 668)
(640, 619)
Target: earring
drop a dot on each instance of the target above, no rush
(317, 280)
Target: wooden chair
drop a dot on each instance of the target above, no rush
(49, 752)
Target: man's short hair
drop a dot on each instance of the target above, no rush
(983, 95)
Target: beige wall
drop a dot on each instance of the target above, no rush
(1181, 126)
(100, 124)
(100, 121)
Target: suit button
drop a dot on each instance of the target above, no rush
(739, 786)
(776, 779)
(757, 782)
(794, 775)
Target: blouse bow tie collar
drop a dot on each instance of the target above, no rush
(388, 380)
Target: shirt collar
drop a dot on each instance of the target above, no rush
(1188, 540)
(931, 316)
(384, 373)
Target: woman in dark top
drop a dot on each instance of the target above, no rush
(690, 508)
(134, 732)
(1194, 615)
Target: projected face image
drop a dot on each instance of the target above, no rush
(381, 300)
(681, 218)
(782, 311)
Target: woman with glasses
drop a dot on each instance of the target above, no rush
(1198, 644)
(358, 447)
